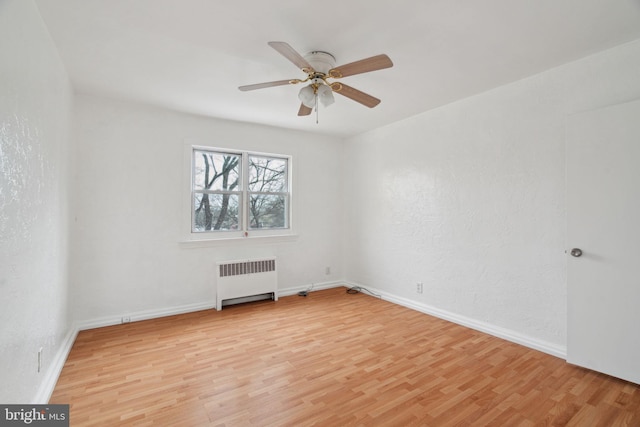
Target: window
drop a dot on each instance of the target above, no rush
(239, 191)
(267, 191)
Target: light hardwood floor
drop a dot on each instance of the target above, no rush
(329, 359)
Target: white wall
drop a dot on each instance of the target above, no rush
(35, 106)
(130, 192)
(469, 199)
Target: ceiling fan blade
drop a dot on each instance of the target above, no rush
(374, 63)
(304, 110)
(355, 94)
(263, 85)
(290, 53)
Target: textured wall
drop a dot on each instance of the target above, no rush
(130, 192)
(35, 99)
(469, 198)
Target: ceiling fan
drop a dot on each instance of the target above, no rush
(320, 67)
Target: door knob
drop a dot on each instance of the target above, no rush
(576, 252)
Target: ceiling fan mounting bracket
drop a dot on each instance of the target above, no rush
(320, 61)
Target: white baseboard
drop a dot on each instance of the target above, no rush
(310, 288)
(171, 311)
(144, 315)
(497, 331)
(48, 384)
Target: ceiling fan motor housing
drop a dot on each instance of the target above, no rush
(321, 62)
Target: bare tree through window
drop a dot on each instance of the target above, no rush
(267, 192)
(224, 185)
(216, 179)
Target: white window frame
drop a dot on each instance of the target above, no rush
(244, 232)
(246, 220)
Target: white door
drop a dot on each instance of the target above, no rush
(603, 220)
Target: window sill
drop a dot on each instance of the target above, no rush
(208, 243)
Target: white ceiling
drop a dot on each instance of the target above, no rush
(191, 55)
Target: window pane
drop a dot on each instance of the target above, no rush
(267, 211)
(215, 212)
(216, 171)
(267, 174)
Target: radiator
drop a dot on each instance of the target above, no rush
(245, 278)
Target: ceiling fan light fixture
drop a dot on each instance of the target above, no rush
(325, 95)
(308, 96)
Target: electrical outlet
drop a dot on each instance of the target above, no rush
(125, 319)
(419, 287)
(40, 359)
(327, 270)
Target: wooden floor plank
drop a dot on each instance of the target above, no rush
(328, 359)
